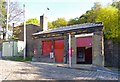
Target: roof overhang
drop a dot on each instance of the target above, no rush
(74, 29)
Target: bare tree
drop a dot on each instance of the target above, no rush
(15, 12)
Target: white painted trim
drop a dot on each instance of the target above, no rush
(84, 35)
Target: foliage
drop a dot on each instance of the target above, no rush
(59, 22)
(97, 5)
(50, 25)
(109, 17)
(2, 13)
(15, 14)
(88, 17)
(73, 21)
(32, 21)
(16, 32)
(116, 4)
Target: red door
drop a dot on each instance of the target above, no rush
(59, 50)
(88, 57)
(86, 54)
(46, 47)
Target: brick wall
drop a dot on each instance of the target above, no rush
(31, 43)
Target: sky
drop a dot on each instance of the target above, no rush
(58, 8)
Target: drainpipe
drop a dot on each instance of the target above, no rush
(70, 50)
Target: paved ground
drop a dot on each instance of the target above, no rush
(10, 70)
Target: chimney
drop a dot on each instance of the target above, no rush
(43, 23)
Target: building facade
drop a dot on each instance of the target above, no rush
(30, 29)
(80, 44)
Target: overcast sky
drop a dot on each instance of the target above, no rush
(58, 8)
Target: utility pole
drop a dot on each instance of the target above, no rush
(24, 33)
(7, 19)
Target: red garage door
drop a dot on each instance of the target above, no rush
(46, 47)
(84, 41)
(59, 50)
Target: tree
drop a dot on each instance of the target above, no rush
(109, 17)
(73, 21)
(50, 25)
(59, 22)
(97, 5)
(116, 4)
(2, 13)
(15, 13)
(32, 21)
(16, 32)
(88, 17)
